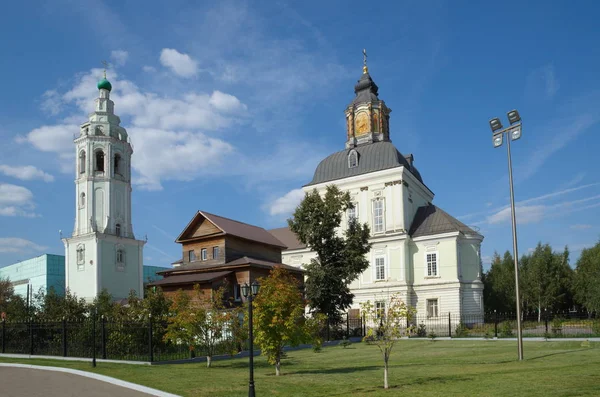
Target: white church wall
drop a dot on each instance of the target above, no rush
(116, 278)
(469, 260)
(81, 278)
(445, 249)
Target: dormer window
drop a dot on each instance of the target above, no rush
(352, 159)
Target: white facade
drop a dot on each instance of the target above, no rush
(437, 273)
(102, 252)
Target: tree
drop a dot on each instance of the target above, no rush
(279, 316)
(13, 305)
(389, 328)
(499, 284)
(204, 321)
(52, 307)
(340, 254)
(546, 279)
(587, 279)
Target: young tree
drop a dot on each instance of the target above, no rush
(587, 279)
(279, 316)
(388, 329)
(13, 305)
(204, 321)
(499, 284)
(340, 254)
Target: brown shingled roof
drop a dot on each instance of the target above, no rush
(236, 228)
(289, 238)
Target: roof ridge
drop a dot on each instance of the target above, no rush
(230, 219)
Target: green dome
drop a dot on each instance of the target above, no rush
(104, 84)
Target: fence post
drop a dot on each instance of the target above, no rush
(546, 320)
(150, 338)
(64, 337)
(94, 338)
(348, 325)
(449, 326)
(103, 337)
(3, 335)
(495, 324)
(30, 336)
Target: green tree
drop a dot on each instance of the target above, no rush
(53, 307)
(499, 284)
(13, 305)
(388, 329)
(340, 254)
(546, 279)
(587, 279)
(279, 316)
(204, 321)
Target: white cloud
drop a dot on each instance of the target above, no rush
(119, 57)
(19, 245)
(581, 227)
(181, 64)
(16, 201)
(226, 103)
(51, 102)
(287, 203)
(148, 69)
(525, 214)
(26, 173)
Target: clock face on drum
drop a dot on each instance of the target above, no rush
(362, 123)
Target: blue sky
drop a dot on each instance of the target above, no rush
(231, 105)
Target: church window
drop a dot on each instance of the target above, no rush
(380, 268)
(191, 256)
(380, 309)
(118, 230)
(352, 159)
(80, 258)
(82, 162)
(120, 259)
(378, 215)
(117, 164)
(100, 161)
(353, 212)
(432, 308)
(204, 254)
(432, 264)
(82, 200)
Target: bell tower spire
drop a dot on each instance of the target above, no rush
(367, 116)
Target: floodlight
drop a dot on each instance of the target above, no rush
(513, 117)
(497, 140)
(515, 134)
(495, 124)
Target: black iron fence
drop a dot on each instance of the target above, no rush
(103, 339)
(502, 325)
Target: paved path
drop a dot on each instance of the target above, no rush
(25, 382)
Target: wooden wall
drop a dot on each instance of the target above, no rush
(236, 248)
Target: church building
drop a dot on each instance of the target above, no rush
(102, 252)
(419, 251)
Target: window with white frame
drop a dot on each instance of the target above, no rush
(120, 259)
(432, 264)
(380, 268)
(191, 256)
(82, 162)
(378, 215)
(432, 308)
(380, 309)
(204, 254)
(353, 212)
(80, 257)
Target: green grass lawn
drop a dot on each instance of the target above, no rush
(418, 368)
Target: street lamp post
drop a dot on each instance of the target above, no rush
(513, 132)
(249, 292)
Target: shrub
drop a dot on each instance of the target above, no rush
(461, 330)
(596, 327)
(432, 336)
(422, 331)
(345, 343)
(506, 329)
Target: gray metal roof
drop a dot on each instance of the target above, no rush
(366, 90)
(289, 238)
(430, 220)
(372, 157)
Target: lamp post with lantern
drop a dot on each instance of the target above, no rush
(249, 292)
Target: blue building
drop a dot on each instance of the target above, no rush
(48, 271)
(45, 272)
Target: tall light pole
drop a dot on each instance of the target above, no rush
(249, 292)
(513, 133)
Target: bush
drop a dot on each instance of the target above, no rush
(506, 329)
(432, 335)
(345, 343)
(596, 327)
(422, 330)
(461, 331)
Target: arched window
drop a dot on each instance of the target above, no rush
(82, 162)
(117, 164)
(120, 256)
(82, 200)
(100, 161)
(80, 257)
(352, 159)
(118, 229)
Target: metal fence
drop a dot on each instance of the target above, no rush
(489, 325)
(103, 339)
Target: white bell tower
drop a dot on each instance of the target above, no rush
(103, 253)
